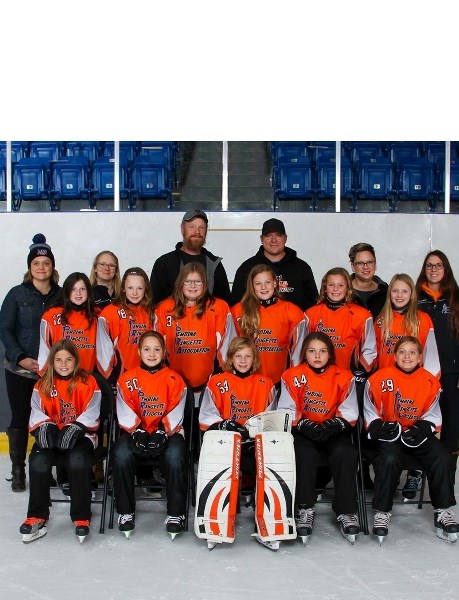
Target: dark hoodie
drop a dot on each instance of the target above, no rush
(375, 301)
(294, 276)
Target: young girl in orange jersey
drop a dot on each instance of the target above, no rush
(150, 407)
(349, 326)
(324, 401)
(74, 318)
(64, 421)
(197, 327)
(402, 415)
(399, 317)
(277, 326)
(122, 323)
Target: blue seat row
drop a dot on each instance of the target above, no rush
(146, 170)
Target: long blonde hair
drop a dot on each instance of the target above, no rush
(116, 281)
(46, 383)
(323, 285)
(410, 318)
(250, 321)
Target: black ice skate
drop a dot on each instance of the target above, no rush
(412, 485)
(81, 529)
(175, 525)
(349, 526)
(381, 525)
(33, 529)
(445, 525)
(126, 524)
(304, 522)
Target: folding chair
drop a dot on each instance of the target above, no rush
(103, 451)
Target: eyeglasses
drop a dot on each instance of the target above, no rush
(190, 282)
(364, 263)
(437, 266)
(107, 266)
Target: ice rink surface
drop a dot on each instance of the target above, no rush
(412, 563)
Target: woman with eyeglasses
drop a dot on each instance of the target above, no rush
(438, 295)
(105, 279)
(196, 326)
(121, 324)
(369, 290)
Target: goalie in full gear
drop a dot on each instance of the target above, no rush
(324, 401)
(230, 399)
(402, 415)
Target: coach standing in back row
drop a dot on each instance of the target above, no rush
(294, 276)
(191, 249)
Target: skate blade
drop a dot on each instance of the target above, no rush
(211, 545)
(447, 537)
(349, 537)
(381, 539)
(273, 546)
(173, 535)
(27, 538)
(407, 499)
(127, 533)
(81, 538)
(304, 539)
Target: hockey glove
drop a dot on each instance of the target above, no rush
(417, 434)
(46, 435)
(384, 431)
(311, 430)
(157, 442)
(229, 425)
(69, 435)
(139, 443)
(334, 426)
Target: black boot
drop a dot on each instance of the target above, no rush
(18, 439)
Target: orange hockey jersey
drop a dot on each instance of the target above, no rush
(119, 331)
(350, 328)
(392, 395)
(193, 344)
(426, 336)
(280, 336)
(77, 329)
(319, 396)
(82, 405)
(228, 396)
(151, 401)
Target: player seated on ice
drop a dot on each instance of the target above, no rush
(402, 416)
(235, 395)
(323, 399)
(64, 420)
(150, 407)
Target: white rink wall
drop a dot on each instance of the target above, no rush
(323, 240)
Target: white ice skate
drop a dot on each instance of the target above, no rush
(271, 545)
(33, 529)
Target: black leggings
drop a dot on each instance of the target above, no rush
(19, 391)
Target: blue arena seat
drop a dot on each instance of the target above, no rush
(70, 180)
(288, 149)
(375, 179)
(150, 178)
(2, 178)
(131, 149)
(18, 150)
(30, 181)
(91, 150)
(102, 179)
(326, 179)
(403, 152)
(454, 180)
(293, 179)
(364, 151)
(47, 150)
(416, 181)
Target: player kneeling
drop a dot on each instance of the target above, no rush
(230, 400)
(64, 420)
(150, 406)
(324, 401)
(402, 415)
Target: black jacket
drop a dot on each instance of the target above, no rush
(447, 343)
(167, 267)
(375, 302)
(294, 276)
(20, 317)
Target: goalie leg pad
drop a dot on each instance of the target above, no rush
(218, 486)
(276, 480)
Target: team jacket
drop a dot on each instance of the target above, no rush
(77, 329)
(350, 328)
(374, 301)
(83, 405)
(426, 336)
(20, 317)
(167, 267)
(228, 396)
(193, 344)
(448, 344)
(392, 395)
(294, 278)
(151, 401)
(118, 331)
(319, 396)
(280, 336)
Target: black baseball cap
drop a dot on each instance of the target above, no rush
(192, 214)
(273, 226)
